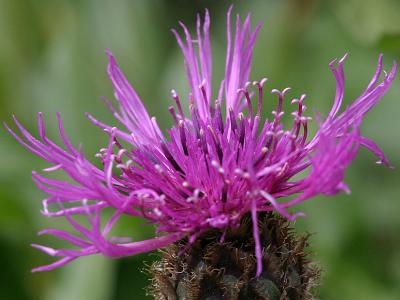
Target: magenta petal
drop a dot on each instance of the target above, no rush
(135, 115)
(374, 148)
(57, 264)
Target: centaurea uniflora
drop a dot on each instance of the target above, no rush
(218, 186)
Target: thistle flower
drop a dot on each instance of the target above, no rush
(221, 161)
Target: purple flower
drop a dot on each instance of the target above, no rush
(214, 166)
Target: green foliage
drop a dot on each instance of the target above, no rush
(52, 59)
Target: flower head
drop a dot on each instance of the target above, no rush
(214, 166)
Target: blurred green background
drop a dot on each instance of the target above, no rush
(52, 59)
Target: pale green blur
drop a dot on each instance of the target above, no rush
(52, 59)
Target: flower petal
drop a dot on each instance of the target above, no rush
(238, 60)
(134, 114)
(198, 67)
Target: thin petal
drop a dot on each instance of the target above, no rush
(135, 115)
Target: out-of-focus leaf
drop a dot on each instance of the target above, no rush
(390, 43)
(131, 281)
(367, 20)
(90, 278)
